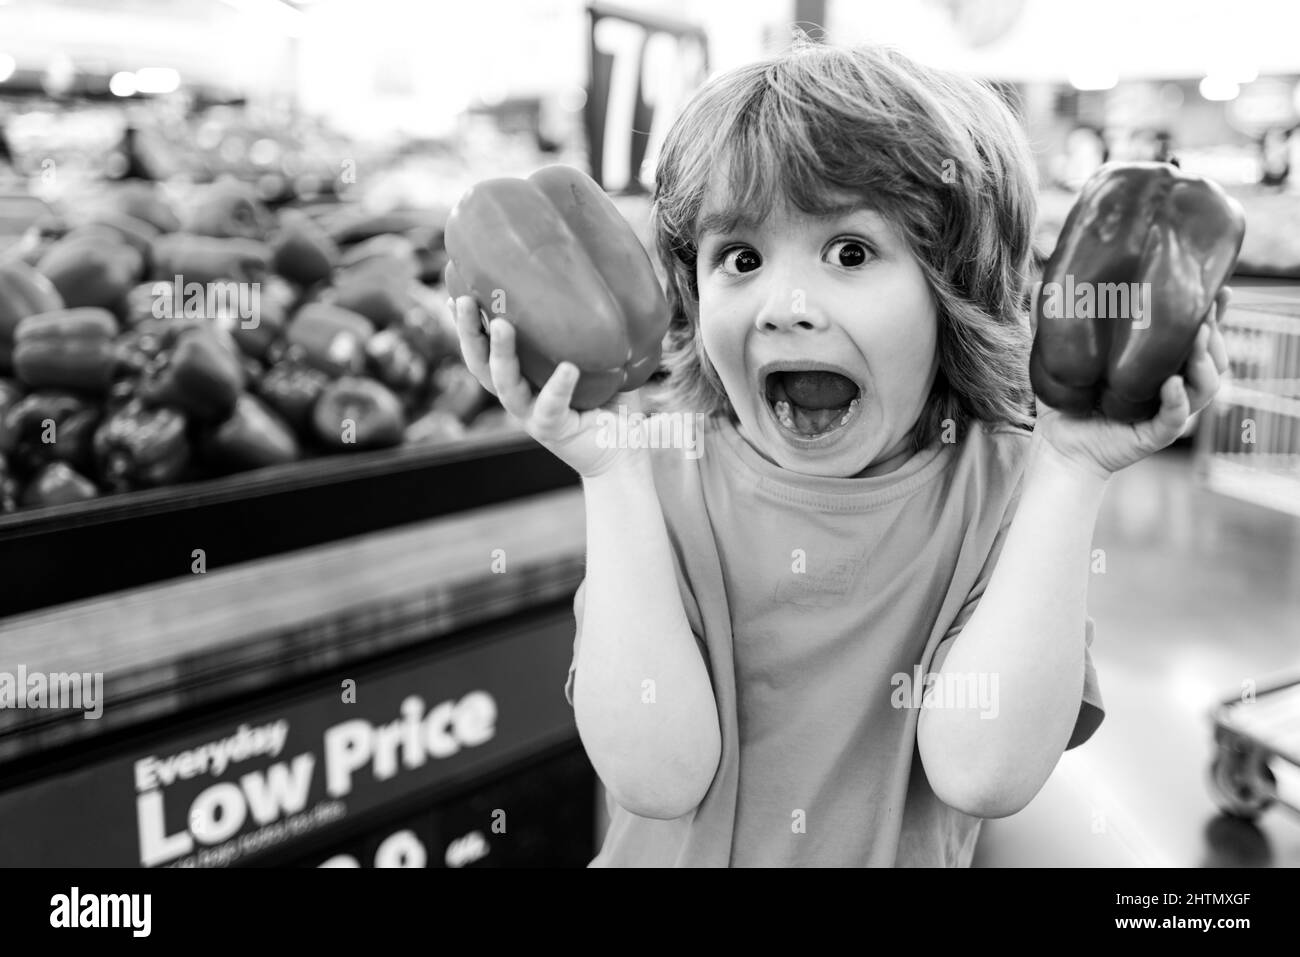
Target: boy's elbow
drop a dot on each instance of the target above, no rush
(972, 783)
(984, 799)
(663, 790)
(659, 803)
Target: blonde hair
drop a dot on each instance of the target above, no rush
(939, 155)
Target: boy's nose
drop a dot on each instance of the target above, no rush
(788, 309)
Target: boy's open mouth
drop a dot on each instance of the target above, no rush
(811, 402)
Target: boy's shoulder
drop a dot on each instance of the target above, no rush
(995, 456)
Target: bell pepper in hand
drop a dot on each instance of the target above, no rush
(553, 255)
(58, 484)
(356, 413)
(202, 377)
(253, 437)
(67, 349)
(140, 447)
(1139, 262)
(23, 292)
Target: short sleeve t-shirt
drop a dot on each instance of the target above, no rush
(820, 605)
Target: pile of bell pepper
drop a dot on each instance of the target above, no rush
(145, 342)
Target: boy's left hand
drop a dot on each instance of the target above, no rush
(1098, 443)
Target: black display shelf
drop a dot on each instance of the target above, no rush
(54, 555)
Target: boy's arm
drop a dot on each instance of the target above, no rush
(655, 747)
(1028, 631)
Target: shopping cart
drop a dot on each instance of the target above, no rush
(1258, 742)
(1248, 441)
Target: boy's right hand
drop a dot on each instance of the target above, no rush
(580, 439)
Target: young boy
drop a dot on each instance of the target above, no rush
(855, 625)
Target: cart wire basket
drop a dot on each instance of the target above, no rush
(1248, 442)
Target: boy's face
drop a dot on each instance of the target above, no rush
(824, 333)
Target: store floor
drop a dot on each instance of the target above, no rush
(1200, 594)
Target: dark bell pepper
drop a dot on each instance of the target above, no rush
(355, 413)
(228, 210)
(1141, 257)
(353, 227)
(492, 421)
(96, 269)
(373, 297)
(67, 349)
(256, 335)
(58, 484)
(303, 253)
(391, 360)
(331, 339)
(141, 447)
(10, 490)
(204, 259)
(388, 255)
(291, 390)
(124, 228)
(23, 292)
(144, 344)
(568, 271)
(10, 394)
(202, 376)
(144, 201)
(434, 428)
(147, 301)
(458, 392)
(430, 252)
(253, 437)
(48, 426)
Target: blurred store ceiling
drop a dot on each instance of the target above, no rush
(240, 45)
(1096, 43)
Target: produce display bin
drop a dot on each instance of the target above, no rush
(391, 700)
(75, 551)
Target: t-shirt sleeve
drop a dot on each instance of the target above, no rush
(1091, 709)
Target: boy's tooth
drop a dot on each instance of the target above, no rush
(783, 414)
(845, 417)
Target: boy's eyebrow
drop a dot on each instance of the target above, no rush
(719, 221)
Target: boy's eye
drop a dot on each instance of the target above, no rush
(740, 259)
(848, 253)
